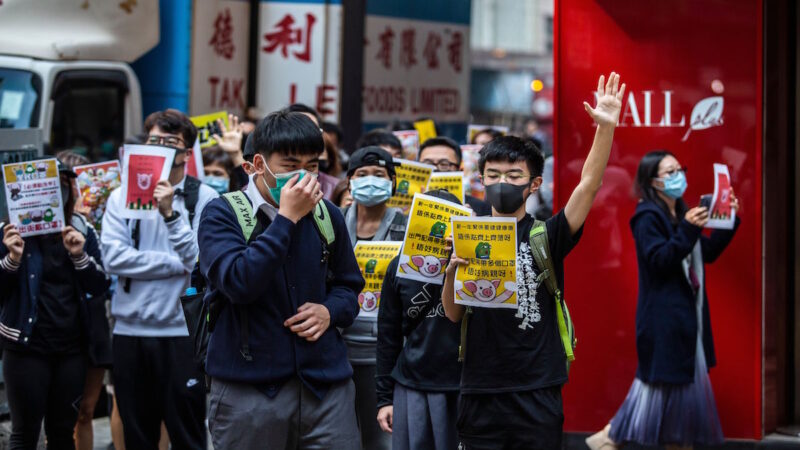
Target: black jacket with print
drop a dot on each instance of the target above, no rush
(429, 359)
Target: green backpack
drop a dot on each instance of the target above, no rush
(540, 248)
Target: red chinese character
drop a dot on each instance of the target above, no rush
(223, 29)
(431, 52)
(408, 54)
(454, 50)
(285, 36)
(385, 53)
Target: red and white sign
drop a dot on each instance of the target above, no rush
(143, 166)
(299, 56)
(220, 48)
(415, 68)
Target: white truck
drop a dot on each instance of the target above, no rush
(64, 69)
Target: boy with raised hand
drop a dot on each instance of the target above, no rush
(515, 362)
(279, 286)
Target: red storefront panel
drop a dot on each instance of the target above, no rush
(685, 62)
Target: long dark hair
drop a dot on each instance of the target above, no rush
(643, 186)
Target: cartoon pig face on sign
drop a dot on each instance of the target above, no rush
(483, 290)
(429, 266)
(369, 300)
(143, 180)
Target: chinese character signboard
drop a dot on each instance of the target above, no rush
(220, 48)
(452, 182)
(299, 56)
(415, 68)
(412, 178)
(373, 259)
(425, 252)
(33, 195)
(490, 246)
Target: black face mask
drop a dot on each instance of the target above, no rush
(323, 165)
(505, 198)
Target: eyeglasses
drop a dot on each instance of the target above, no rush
(169, 141)
(673, 171)
(512, 177)
(442, 164)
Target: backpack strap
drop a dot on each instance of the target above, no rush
(191, 188)
(244, 212)
(324, 225)
(244, 215)
(135, 236)
(540, 249)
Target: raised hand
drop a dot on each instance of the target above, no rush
(609, 101)
(231, 139)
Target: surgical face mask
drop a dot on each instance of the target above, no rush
(674, 185)
(281, 179)
(505, 198)
(219, 184)
(370, 190)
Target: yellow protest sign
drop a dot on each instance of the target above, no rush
(490, 246)
(424, 252)
(373, 260)
(452, 182)
(207, 127)
(426, 128)
(412, 178)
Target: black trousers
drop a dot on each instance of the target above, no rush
(45, 387)
(524, 420)
(155, 379)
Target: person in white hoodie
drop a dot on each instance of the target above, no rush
(155, 376)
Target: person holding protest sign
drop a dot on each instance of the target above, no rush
(47, 283)
(671, 401)
(418, 372)
(372, 182)
(515, 361)
(155, 377)
(282, 278)
(445, 154)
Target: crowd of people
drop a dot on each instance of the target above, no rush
(266, 243)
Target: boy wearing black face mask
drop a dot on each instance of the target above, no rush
(514, 363)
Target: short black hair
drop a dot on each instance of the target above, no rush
(334, 129)
(303, 108)
(442, 141)
(174, 122)
(512, 149)
(290, 133)
(444, 194)
(379, 137)
(490, 131)
(399, 125)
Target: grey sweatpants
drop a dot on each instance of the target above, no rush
(242, 417)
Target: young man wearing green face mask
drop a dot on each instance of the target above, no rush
(372, 183)
(275, 356)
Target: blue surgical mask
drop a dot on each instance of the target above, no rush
(219, 184)
(674, 185)
(281, 179)
(370, 190)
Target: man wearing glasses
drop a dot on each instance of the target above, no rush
(155, 376)
(445, 154)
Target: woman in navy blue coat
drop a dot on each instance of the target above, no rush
(671, 401)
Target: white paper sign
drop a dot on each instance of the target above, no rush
(33, 196)
(143, 166)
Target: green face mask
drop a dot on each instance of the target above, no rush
(281, 179)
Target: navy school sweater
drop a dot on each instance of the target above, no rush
(666, 318)
(265, 282)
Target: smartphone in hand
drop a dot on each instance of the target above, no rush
(705, 200)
